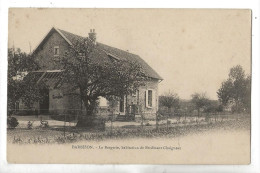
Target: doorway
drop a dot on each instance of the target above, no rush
(44, 103)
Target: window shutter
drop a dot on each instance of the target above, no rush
(153, 99)
(146, 98)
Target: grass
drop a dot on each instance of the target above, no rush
(56, 135)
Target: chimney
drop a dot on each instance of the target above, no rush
(92, 35)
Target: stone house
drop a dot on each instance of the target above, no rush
(56, 101)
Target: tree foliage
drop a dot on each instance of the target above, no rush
(213, 107)
(113, 102)
(170, 100)
(12, 122)
(19, 63)
(236, 90)
(88, 69)
(200, 100)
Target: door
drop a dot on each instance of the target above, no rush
(122, 105)
(44, 103)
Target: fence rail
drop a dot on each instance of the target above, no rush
(72, 115)
(143, 122)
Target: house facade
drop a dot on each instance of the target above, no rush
(59, 101)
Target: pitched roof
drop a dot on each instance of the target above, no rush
(150, 72)
(72, 39)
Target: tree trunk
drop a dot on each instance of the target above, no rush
(167, 118)
(89, 120)
(198, 115)
(111, 126)
(157, 121)
(237, 110)
(90, 105)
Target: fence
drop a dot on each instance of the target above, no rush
(73, 114)
(144, 125)
(70, 117)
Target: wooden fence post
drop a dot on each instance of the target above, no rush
(111, 130)
(167, 117)
(156, 120)
(64, 124)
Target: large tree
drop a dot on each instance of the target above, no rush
(89, 69)
(170, 100)
(200, 100)
(236, 90)
(19, 63)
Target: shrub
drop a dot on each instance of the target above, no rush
(12, 122)
(29, 125)
(97, 123)
(44, 124)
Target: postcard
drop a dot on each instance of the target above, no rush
(129, 86)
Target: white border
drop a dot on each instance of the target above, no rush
(245, 4)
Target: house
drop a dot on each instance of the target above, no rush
(55, 101)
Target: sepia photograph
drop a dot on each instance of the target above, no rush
(129, 86)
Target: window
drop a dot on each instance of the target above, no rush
(113, 57)
(56, 51)
(149, 98)
(122, 104)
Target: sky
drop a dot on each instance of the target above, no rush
(191, 49)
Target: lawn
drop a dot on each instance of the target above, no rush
(120, 130)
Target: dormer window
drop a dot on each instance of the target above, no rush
(56, 51)
(113, 57)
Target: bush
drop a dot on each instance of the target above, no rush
(44, 124)
(12, 122)
(29, 125)
(97, 123)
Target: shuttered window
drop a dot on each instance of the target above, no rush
(149, 98)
